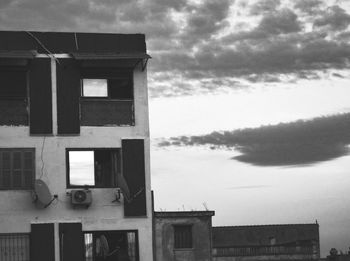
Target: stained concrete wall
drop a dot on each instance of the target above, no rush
(17, 211)
(201, 236)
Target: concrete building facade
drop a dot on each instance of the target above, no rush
(74, 147)
(183, 235)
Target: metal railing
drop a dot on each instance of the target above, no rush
(263, 250)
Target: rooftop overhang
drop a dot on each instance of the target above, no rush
(122, 60)
(181, 214)
(16, 58)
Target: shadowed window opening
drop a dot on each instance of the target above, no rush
(111, 246)
(183, 236)
(13, 96)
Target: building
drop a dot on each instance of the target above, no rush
(183, 235)
(74, 147)
(266, 242)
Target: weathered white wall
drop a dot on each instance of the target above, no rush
(17, 211)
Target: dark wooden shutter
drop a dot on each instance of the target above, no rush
(71, 242)
(68, 95)
(133, 155)
(42, 242)
(40, 96)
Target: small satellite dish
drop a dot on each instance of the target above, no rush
(42, 194)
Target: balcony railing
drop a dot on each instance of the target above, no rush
(104, 112)
(263, 250)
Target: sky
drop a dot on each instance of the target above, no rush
(249, 102)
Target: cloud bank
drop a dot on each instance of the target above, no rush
(285, 144)
(204, 46)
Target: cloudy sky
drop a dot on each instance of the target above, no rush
(249, 102)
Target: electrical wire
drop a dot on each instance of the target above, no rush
(50, 54)
(76, 41)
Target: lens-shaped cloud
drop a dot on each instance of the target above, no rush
(301, 142)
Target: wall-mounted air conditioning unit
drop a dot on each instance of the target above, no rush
(81, 197)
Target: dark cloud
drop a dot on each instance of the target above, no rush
(207, 18)
(309, 6)
(264, 6)
(295, 143)
(279, 56)
(57, 15)
(335, 17)
(338, 75)
(284, 21)
(279, 22)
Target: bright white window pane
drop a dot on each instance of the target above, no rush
(95, 88)
(81, 168)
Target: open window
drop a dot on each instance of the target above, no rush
(107, 97)
(13, 96)
(97, 168)
(118, 87)
(111, 245)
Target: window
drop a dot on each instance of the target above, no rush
(111, 245)
(95, 88)
(93, 167)
(13, 96)
(183, 236)
(17, 168)
(107, 97)
(106, 84)
(14, 247)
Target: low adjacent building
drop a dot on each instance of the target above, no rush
(183, 235)
(266, 242)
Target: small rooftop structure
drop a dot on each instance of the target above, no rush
(183, 235)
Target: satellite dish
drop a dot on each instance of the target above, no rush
(43, 196)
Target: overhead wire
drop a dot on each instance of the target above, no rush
(42, 158)
(50, 54)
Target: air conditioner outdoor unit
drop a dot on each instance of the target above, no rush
(81, 197)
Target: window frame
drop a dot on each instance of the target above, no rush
(183, 245)
(119, 169)
(107, 74)
(23, 169)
